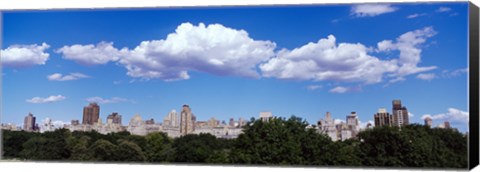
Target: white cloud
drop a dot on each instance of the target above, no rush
(370, 10)
(105, 101)
(426, 76)
(363, 125)
(410, 115)
(454, 73)
(339, 89)
(443, 9)
(214, 49)
(55, 123)
(48, 99)
(453, 115)
(314, 87)
(24, 55)
(90, 54)
(415, 15)
(409, 46)
(325, 60)
(61, 77)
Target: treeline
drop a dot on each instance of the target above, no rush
(277, 142)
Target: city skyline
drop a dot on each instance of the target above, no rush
(56, 64)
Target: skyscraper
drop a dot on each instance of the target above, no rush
(171, 119)
(115, 118)
(29, 123)
(352, 123)
(382, 117)
(91, 113)
(187, 120)
(428, 121)
(400, 114)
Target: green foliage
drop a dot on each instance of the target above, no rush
(129, 151)
(158, 147)
(103, 150)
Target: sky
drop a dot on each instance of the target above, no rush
(232, 62)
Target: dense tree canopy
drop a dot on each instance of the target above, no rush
(279, 141)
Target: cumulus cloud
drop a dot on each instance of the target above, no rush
(214, 49)
(426, 76)
(314, 87)
(443, 9)
(105, 101)
(325, 60)
(48, 99)
(370, 10)
(71, 76)
(24, 55)
(90, 54)
(453, 115)
(409, 46)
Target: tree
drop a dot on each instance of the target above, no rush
(194, 148)
(79, 148)
(103, 150)
(157, 147)
(129, 151)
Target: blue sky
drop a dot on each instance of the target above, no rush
(238, 61)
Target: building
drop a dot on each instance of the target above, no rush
(171, 119)
(29, 123)
(428, 121)
(212, 122)
(115, 118)
(187, 120)
(75, 122)
(137, 126)
(353, 124)
(399, 114)
(150, 121)
(446, 124)
(382, 118)
(327, 126)
(266, 116)
(241, 122)
(231, 123)
(91, 113)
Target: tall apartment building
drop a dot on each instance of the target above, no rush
(187, 120)
(399, 114)
(29, 123)
(382, 117)
(91, 113)
(115, 118)
(171, 119)
(353, 124)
